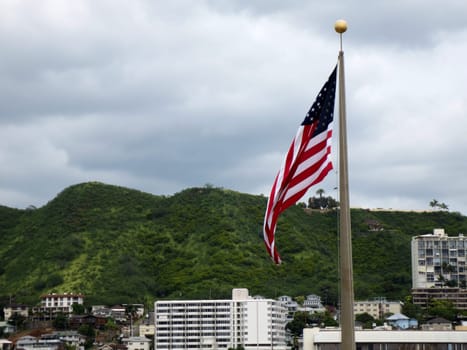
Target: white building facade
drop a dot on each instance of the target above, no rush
(54, 303)
(438, 260)
(256, 324)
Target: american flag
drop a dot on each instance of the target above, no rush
(307, 162)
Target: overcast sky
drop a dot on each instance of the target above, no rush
(161, 96)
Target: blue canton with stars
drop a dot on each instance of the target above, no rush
(322, 110)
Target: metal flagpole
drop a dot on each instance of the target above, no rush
(345, 241)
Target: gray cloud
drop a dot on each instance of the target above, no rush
(161, 96)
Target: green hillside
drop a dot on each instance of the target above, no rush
(119, 245)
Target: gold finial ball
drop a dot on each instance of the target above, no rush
(340, 26)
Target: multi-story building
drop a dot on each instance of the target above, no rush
(457, 296)
(312, 303)
(439, 260)
(290, 305)
(377, 308)
(439, 268)
(254, 323)
(52, 304)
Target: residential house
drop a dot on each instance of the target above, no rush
(101, 311)
(398, 321)
(290, 304)
(118, 313)
(18, 309)
(33, 343)
(76, 321)
(5, 344)
(138, 309)
(312, 303)
(7, 328)
(137, 343)
(112, 346)
(70, 338)
(437, 324)
(147, 327)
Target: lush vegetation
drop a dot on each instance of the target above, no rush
(119, 245)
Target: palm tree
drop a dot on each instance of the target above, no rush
(320, 193)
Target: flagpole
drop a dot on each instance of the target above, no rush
(347, 321)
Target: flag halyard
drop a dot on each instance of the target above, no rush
(306, 163)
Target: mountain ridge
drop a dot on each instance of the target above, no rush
(116, 244)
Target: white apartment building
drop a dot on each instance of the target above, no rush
(377, 308)
(439, 260)
(54, 303)
(254, 323)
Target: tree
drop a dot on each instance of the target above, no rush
(323, 319)
(303, 319)
(300, 320)
(300, 299)
(366, 319)
(442, 308)
(412, 310)
(88, 331)
(17, 320)
(320, 193)
(60, 322)
(436, 204)
(78, 309)
(443, 206)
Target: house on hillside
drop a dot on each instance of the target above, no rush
(137, 343)
(400, 321)
(7, 328)
(290, 304)
(437, 324)
(15, 309)
(118, 313)
(77, 321)
(67, 338)
(32, 343)
(312, 303)
(112, 346)
(147, 326)
(101, 311)
(56, 303)
(5, 344)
